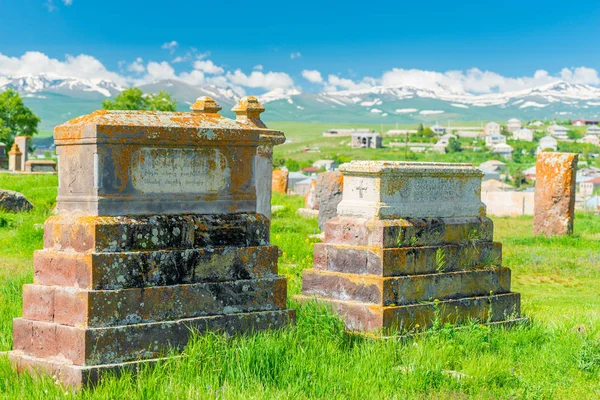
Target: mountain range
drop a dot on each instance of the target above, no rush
(58, 99)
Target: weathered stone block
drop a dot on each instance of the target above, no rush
(153, 268)
(398, 319)
(395, 189)
(11, 201)
(407, 232)
(555, 189)
(280, 181)
(98, 308)
(406, 289)
(407, 260)
(116, 344)
(330, 186)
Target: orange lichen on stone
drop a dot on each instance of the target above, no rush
(555, 193)
(280, 181)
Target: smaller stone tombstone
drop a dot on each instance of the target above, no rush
(310, 200)
(3, 158)
(14, 158)
(23, 142)
(40, 166)
(329, 194)
(280, 181)
(555, 188)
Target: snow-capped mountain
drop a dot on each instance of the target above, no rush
(32, 84)
(57, 99)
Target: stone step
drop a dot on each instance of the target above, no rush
(372, 318)
(119, 270)
(158, 232)
(98, 308)
(96, 346)
(404, 290)
(406, 260)
(407, 232)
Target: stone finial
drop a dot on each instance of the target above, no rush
(15, 150)
(249, 110)
(205, 104)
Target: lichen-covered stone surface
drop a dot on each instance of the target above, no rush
(389, 275)
(311, 200)
(329, 194)
(555, 189)
(158, 235)
(14, 201)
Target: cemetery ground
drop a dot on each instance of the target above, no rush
(555, 355)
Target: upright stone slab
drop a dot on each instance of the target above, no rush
(311, 201)
(14, 158)
(411, 244)
(23, 142)
(3, 156)
(157, 235)
(555, 188)
(329, 194)
(280, 181)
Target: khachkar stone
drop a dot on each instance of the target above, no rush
(157, 235)
(411, 245)
(555, 194)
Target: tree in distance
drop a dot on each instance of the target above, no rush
(16, 119)
(135, 99)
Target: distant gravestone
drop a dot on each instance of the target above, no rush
(14, 201)
(157, 237)
(555, 189)
(23, 142)
(329, 194)
(15, 156)
(40, 166)
(3, 156)
(310, 199)
(411, 245)
(280, 181)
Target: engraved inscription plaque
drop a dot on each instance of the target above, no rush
(168, 170)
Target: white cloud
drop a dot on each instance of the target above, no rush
(258, 79)
(171, 46)
(208, 67)
(51, 6)
(335, 83)
(295, 55)
(258, 67)
(156, 71)
(67, 2)
(82, 66)
(312, 76)
(137, 66)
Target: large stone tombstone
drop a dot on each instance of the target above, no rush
(555, 188)
(411, 244)
(157, 235)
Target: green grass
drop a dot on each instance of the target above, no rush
(557, 355)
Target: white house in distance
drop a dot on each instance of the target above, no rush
(523, 134)
(593, 130)
(328, 165)
(590, 139)
(491, 128)
(547, 143)
(557, 131)
(537, 124)
(502, 149)
(438, 129)
(513, 124)
(492, 140)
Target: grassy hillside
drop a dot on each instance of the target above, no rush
(557, 355)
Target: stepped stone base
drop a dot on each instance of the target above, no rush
(359, 316)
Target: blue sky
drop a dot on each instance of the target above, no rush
(349, 44)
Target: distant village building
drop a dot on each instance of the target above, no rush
(523, 134)
(537, 124)
(328, 165)
(502, 149)
(344, 132)
(593, 130)
(530, 173)
(438, 129)
(493, 165)
(492, 140)
(591, 139)
(366, 141)
(547, 143)
(491, 128)
(513, 124)
(557, 131)
(443, 143)
(583, 122)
